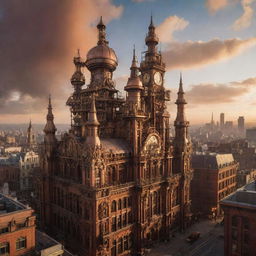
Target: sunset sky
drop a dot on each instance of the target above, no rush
(211, 41)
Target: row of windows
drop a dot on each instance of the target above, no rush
(225, 183)
(121, 221)
(227, 173)
(21, 243)
(121, 245)
(226, 192)
(120, 204)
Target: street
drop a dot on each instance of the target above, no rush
(210, 243)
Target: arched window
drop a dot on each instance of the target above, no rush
(119, 204)
(113, 206)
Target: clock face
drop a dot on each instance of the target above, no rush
(158, 78)
(146, 78)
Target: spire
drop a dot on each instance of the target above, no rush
(151, 21)
(50, 126)
(212, 121)
(181, 84)
(102, 32)
(30, 125)
(92, 124)
(151, 38)
(92, 117)
(134, 81)
(180, 102)
(134, 67)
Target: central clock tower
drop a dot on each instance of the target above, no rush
(152, 72)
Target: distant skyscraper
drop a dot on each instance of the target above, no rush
(240, 124)
(222, 120)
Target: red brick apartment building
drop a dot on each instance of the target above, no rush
(214, 178)
(240, 222)
(17, 227)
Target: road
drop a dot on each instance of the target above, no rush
(211, 242)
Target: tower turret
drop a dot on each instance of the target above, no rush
(181, 124)
(151, 39)
(134, 85)
(78, 79)
(50, 128)
(92, 125)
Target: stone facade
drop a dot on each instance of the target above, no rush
(116, 182)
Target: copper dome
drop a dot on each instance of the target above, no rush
(101, 55)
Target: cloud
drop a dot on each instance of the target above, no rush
(171, 24)
(195, 54)
(216, 5)
(209, 93)
(39, 40)
(245, 20)
(140, 1)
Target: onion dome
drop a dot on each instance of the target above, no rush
(101, 55)
(78, 79)
(134, 81)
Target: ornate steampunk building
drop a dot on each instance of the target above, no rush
(116, 182)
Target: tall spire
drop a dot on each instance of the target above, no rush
(50, 126)
(92, 115)
(151, 38)
(181, 102)
(134, 81)
(92, 138)
(102, 32)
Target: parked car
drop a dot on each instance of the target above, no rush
(193, 237)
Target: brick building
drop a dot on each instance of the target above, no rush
(18, 234)
(116, 182)
(240, 221)
(214, 178)
(17, 227)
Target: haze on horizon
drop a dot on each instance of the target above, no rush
(211, 41)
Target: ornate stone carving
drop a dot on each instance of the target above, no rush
(103, 210)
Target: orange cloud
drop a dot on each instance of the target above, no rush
(171, 24)
(195, 54)
(216, 5)
(219, 93)
(246, 19)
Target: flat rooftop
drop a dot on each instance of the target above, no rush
(9, 205)
(243, 197)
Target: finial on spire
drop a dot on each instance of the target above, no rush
(102, 33)
(151, 20)
(181, 84)
(101, 22)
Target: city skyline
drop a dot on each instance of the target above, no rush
(209, 59)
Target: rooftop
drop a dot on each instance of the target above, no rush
(211, 160)
(243, 197)
(46, 245)
(9, 205)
